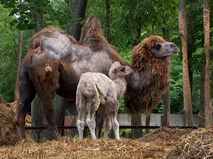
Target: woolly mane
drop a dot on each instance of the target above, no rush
(154, 76)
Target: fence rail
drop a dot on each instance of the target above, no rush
(120, 127)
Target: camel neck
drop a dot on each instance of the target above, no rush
(120, 84)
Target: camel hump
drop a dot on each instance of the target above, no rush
(92, 34)
(51, 39)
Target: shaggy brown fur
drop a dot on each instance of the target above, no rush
(153, 73)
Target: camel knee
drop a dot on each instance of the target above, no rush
(115, 124)
(16, 120)
(91, 123)
(80, 125)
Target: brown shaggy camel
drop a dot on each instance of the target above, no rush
(55, 61)
(102, 94)
(150, 60)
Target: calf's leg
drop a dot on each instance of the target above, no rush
(107, 125)
(115, 125)
(93, 107)
(81, 105)
(112, 110)
(99, 124)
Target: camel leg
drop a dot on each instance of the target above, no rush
(46, 87)
(115, 124)
(113, 117)
(81, 105)
(107, 125)
(93, 106)
(99, 125)
(26, 95)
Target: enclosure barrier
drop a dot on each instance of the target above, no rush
(120, 127)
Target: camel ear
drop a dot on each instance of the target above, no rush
(157, 46)
(144, 46)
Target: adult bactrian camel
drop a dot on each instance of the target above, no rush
(55, 61)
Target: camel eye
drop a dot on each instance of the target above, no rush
(157, 46)
(123, 69)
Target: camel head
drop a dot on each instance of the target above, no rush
(159, 47)
(118, 70)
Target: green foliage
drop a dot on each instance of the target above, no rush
(8, 49)
(8, 3)
(8, 56)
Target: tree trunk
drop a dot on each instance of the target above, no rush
(16, 92)
(36, 118)
(136, 117)
(39, 21)
(78, 13)
(147, 123)
(166, 95)
(202, 99)
(36, 113)
(186, 86)
(148, 32)
(74, 29)
(136, 30)
(137, 33)
(59, 112)
(136, 120)
(108, 32)
(206, 19)
(166, 108)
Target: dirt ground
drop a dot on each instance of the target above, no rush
(161, 143)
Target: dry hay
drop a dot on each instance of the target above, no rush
(8, 131)
(199, 144)
(87, 148)
(161, 143)
(149, 146)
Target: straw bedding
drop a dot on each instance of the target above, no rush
(161, 143)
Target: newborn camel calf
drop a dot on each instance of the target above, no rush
(102, 94)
